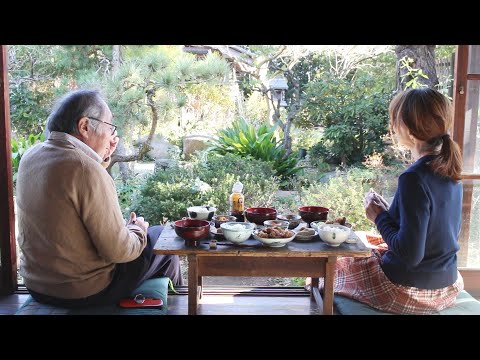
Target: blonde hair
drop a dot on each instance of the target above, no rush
(428, 115)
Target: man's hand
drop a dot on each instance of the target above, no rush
(113, 145)
(139, 221)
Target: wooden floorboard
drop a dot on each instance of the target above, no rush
(10, 304)
(245, 305)
(219, 301)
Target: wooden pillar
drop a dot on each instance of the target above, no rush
(8, 268)
(459, 103)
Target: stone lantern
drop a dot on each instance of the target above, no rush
(278, 85)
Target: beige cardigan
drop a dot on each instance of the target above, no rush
(71, 228)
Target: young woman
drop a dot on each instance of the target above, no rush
(415, 271)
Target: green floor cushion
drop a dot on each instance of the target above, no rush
(464, 305)
(153, 288)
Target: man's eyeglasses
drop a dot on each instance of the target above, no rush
(114, 127)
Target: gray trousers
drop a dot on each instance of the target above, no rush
(161, 265)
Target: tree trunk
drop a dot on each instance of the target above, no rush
(423, 58)
(116, 58)
(124, 167)
(294, 108)
(117, 156)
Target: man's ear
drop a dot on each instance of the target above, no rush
(82, 127)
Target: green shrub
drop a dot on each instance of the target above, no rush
(344, 193)
(261, 144)
(221, 172)
(128, 192)
(353, 116)
(19, 146)
(168, 193)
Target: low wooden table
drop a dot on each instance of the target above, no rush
(313, 259)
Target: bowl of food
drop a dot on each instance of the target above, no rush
(237, 232)
(305, 234)
(220, 219)
(192, 231)
(280, 223)
(293, 219)
(274, 236)
(313, 213)
(334, 235)
(258, 215)
(201, 212)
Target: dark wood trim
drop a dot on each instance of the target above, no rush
(464, 237)
(470, 176)
(264, 266)
(473, 76)
(460, 93)
(8, 270)
(459, 103)
(471, 279)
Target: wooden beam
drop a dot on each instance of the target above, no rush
(470, 176)
(459, 102)
(460, 94)
(473, 77)
(471, 280)
(8, 269)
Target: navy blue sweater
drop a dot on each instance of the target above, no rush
(421, 229)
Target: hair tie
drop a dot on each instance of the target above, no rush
(445, 137)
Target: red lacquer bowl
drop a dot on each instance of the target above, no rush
(313, 213)
(259, 215)
(192, 231)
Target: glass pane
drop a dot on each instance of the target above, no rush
(471, 149)
(469, 255)
(474, 59)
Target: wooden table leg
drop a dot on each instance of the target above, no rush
(192, 284)
(328, 287)
(200, 287)
(313, 285)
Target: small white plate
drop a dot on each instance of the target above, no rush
(352, 238)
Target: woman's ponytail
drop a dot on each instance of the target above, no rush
(449, 162)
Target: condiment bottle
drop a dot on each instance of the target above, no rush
(237, 201)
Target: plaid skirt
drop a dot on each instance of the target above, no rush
(362, 279)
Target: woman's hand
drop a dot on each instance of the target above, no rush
(374, 208)
(382, 200)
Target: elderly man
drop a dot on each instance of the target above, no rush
(76, 249)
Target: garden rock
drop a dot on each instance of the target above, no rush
(161, 148)
(194, 143)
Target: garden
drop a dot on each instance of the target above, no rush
(297, 125)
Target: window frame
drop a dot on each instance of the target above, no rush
(8, 267)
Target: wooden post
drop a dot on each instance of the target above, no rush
(8, 269)
(192, 284)
(459, 103)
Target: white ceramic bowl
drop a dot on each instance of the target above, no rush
(333, 235)
(201, 212)
(237, 232)
(273, 242)
(316, 224)
(280, 223)
(292, 219)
